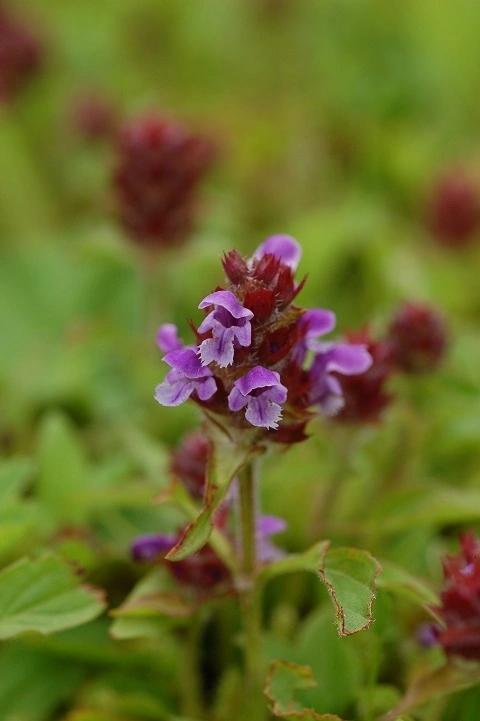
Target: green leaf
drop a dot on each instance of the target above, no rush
(433, 505)
(63, 469)
(44, 596)
(453, 676)
(227, 456)
(335, 669)
(309, 560)
(14, 476)
(396, 579)
(21, 524)
(284, 679)
(33, 684)
(350, 575)
(144, 612)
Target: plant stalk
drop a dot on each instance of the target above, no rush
(250, 595)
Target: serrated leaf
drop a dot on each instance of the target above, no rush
(227, 456)
(350, 575)
(44, 596)
(284, 679)
(309, 560)
(396, 579)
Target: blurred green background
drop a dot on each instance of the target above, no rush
(333, 120)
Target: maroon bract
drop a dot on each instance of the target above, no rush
(20, 54)
(365, 396)
(189, 462)
(417, 337)
(454, 209)
(460, 601)
(159, 166)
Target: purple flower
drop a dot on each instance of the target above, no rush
(312, 324)
(188, 375)
(167, 338)
(344, 358)
(283, 247)
(269, 526)
(261, 391)
(148, 547)
(229, 322)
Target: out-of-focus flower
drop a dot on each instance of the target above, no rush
(365, 396)
(20, 54)
(417, 337)
(189, 462)
(92, 117)
(268, 526)
(202, 570)
(454, 209)
(261, 350)
(159, 167)
(460, 601)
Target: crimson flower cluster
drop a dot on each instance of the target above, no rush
(258, 359)
(460, 601)
(20, 54)
(417, 337)
(159, 166)
(414, 344)
(454, 209)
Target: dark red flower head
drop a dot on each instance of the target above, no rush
(159, 166)
(365, 396)
(460, 601)
(189, 462)
(417, 336)
(20, 54)
(454, 209)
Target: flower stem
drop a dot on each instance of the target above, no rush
(250, 596)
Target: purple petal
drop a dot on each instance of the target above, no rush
(263, 413)
(206, 388)
(227, 300)
(270, 525)
(236, 401)
(317, 322)
(174, 390)
(167, 338)
(243, 334)
(148, 547)
(283, 247)
(348, 359)
(258, 377)
(219, 348)
(276, 394)
(187, 362)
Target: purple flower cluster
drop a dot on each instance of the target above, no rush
(259, 353)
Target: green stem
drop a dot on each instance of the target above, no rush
(191, 677)
(250, 596)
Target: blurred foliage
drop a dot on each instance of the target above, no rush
(333, 118)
